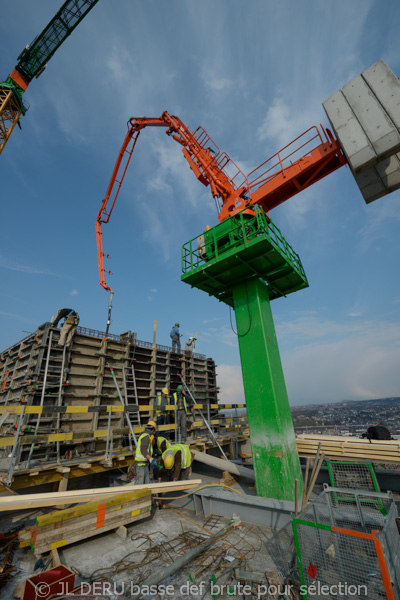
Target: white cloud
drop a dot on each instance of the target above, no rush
(15, 316)
(74, 293)
(14, 266)
(361, 365)
(215, 79)
(230, 382)
(224, 335)
(381, 213)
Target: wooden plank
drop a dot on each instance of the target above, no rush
(78, 511)
(50, 475)
(77, 538)
(330, 443)
(337, 438)
(75, 409)
(350, 448)
(72, 436)
(79, 496)
(63, 485)
(52, 533)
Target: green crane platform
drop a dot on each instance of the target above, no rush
(246, 262)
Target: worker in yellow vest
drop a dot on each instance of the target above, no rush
(161, 403)
(180, 406)
(162, 444)
(179, 458)
(144, 454)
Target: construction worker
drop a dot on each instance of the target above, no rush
(69, 326)
(161, 444)
(176, 338)
(162, 401)
(179, 458)
(144, 454)
(189, 346)
(180, 406)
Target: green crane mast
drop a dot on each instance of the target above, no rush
(33, 60)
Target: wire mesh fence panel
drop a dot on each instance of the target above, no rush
(391, 545)
(352, 543)
(356, 476)
(358, 510)
(335, 564)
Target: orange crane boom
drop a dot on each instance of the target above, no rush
(304, 161)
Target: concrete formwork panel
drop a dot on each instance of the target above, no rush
(380, 180)
(365, 117)
(374, 120)
(353, 139)
(33, 374)
(386, 87)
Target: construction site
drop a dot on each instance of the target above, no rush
(125, 469)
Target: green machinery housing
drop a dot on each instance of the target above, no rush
(246, 262)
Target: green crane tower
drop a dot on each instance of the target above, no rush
(246, 262)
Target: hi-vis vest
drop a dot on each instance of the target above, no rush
(139, 458)
(159, 404)
(175, 397)
(186, 458)
(160, 441)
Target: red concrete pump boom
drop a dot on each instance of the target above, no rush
(306, 160)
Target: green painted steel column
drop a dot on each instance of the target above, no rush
(276, 461)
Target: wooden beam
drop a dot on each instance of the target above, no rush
(223, 465)
(63, 485)
(122, 532)
(55, 558)
(78, 496)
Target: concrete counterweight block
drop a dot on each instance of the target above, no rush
(365, 116)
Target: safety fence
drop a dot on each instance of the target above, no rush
(347, 544)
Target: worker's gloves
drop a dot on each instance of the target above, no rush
(153, 464)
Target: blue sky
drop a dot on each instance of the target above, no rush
(254, 74)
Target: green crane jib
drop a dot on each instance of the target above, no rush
(33, 60)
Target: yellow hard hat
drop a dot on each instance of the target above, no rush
(169, 461)
(151, 424)
(165, 390)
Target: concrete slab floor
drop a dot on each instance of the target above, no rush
(108, 555)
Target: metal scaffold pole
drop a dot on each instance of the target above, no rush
(206, 423)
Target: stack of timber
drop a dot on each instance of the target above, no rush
(65, 527)
(66, 393)
(336, 447)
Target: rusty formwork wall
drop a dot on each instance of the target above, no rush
(35, 372)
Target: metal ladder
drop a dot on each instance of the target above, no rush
(131, 394)
(52, 379)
